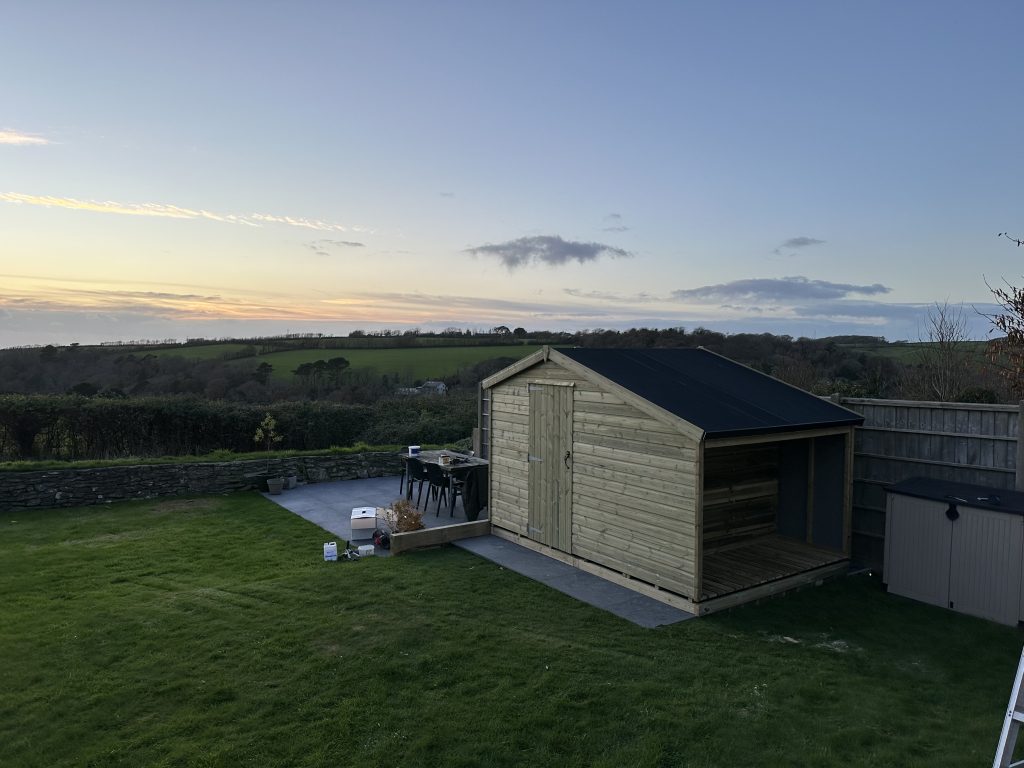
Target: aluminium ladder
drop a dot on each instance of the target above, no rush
(1011, 723)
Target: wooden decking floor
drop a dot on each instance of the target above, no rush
(760, 561)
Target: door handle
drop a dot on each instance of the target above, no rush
(566, 458)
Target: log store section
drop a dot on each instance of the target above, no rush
(676, 472)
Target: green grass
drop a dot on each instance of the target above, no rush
(210, 632)
(198, 352)
(411, 363)
(910, 352)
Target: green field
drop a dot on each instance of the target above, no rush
(910, 352)
(210, 632)
(199, 351)
(409, 363)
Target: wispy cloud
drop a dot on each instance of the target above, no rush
(18, 138)
(546, 249)
(613, 223)
(322, 247)
(619, 298)
(777, 289)
(162, 210)
(795, 243)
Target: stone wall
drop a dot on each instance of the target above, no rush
(82, 487)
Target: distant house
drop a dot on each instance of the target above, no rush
(426, 388)
(676, 472)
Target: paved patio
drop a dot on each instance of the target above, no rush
(329, 505)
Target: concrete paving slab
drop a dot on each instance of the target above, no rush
(586, 587)
(330, 505)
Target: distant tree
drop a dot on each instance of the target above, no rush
(335, 367)
(85, 389)
(944, 358)
(519, 332)
(501, 330)
(262, 373)
(1007, 352)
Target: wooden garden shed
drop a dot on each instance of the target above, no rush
(677, 472)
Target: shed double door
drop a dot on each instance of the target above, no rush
(971, 564)
(549, 519)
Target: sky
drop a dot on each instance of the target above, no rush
(214, 169)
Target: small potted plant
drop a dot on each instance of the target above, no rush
(267, 436)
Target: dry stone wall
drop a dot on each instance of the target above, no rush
(102, 485)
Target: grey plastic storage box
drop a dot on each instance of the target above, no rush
(956, 545)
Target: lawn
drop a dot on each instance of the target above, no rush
(210, 632)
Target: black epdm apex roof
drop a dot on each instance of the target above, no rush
(723, 398)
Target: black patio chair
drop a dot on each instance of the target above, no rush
(440, 484)
(417, 473)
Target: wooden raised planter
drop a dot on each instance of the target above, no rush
(432, 537)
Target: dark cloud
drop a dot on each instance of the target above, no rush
(320, 247)
(615, 229)
(801, 242)
(447, 194)
(546, 249)
(777, 289)
(795, 243)
(613, 217)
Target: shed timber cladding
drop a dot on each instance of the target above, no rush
(633, 478)
(669, 468)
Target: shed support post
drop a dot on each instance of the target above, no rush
(810, 490)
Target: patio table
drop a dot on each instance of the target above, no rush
(460, 464)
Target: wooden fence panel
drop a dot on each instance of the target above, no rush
(900, 439)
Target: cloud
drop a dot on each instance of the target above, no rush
(21, 139)
(613, 221)
(546, 249)
(777, 289)
(609, 296)
(320, 247)
(162, 210)
(797, 242)
(446, 194)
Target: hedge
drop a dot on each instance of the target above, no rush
(72, 427)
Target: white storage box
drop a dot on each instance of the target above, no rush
(331, 550)
(366, 550)
(364, 520)
(414, 450)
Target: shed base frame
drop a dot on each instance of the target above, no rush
(704, 607)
